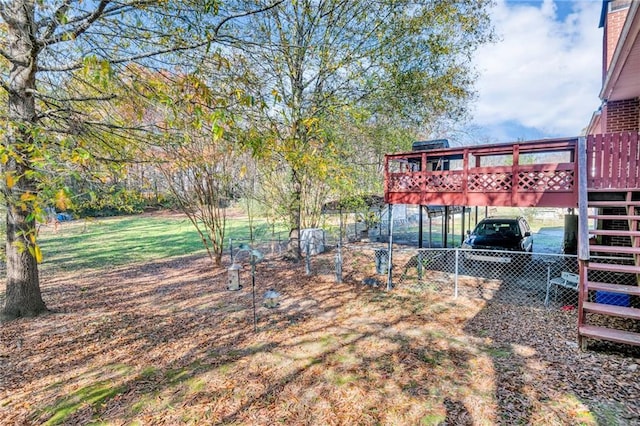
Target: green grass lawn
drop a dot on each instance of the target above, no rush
(100, 243)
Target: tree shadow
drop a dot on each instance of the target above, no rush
(541, 375)
(457, 414)
(160, 342)
(166, 342)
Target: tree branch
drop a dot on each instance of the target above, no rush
(84, 25)
(6, 55)
(6, 17)
(5, 86)
(55, 19)
(159, 52)
(72, 99)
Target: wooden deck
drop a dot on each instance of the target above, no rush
(524, 174)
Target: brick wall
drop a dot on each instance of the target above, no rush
(623, 115)
(618, 10)
(618, 225)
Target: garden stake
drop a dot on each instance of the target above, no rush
(253, 290)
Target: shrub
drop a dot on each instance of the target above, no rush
(113, 202)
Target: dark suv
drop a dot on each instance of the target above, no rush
(499, 233)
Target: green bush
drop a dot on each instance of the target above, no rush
(163, 201)
(113, 202)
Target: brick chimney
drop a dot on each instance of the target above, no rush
(613, 16)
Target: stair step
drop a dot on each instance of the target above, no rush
(613, 310)
(614, 249)
(609, 334)
(614, 233)
(612, 267)
(613, 217)
(633, 290)
(613, 203)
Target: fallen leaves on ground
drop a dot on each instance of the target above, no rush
(166, 343)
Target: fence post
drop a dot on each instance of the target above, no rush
(455, 282)
(390, 263)
(339, 264)
(307, 260)
(231, 249)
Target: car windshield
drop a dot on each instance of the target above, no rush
(508, 229)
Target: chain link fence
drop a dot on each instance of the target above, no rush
(518, 278)
(270, 249)
(531, 279)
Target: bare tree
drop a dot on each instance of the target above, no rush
(199, 159)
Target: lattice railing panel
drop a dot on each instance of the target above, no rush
(406, 182)
(489, 182)
(548, 180)
(444, 183)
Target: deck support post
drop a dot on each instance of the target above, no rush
(583, 201)
(515, 180)
(583, 233)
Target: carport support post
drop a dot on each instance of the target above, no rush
(390, 264)
(420, 223)
(430, 229)
(445, 230)
(453, 227)
(463, 224)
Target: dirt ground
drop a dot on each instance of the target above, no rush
(167, 343)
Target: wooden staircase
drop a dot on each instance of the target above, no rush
(609, 274)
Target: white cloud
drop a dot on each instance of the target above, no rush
(544, 74)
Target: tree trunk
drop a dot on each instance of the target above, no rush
(295, 211)
(23, 285)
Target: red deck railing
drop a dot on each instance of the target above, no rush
(613, 161)
(525, 174)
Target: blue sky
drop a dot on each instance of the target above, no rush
(543, 76)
